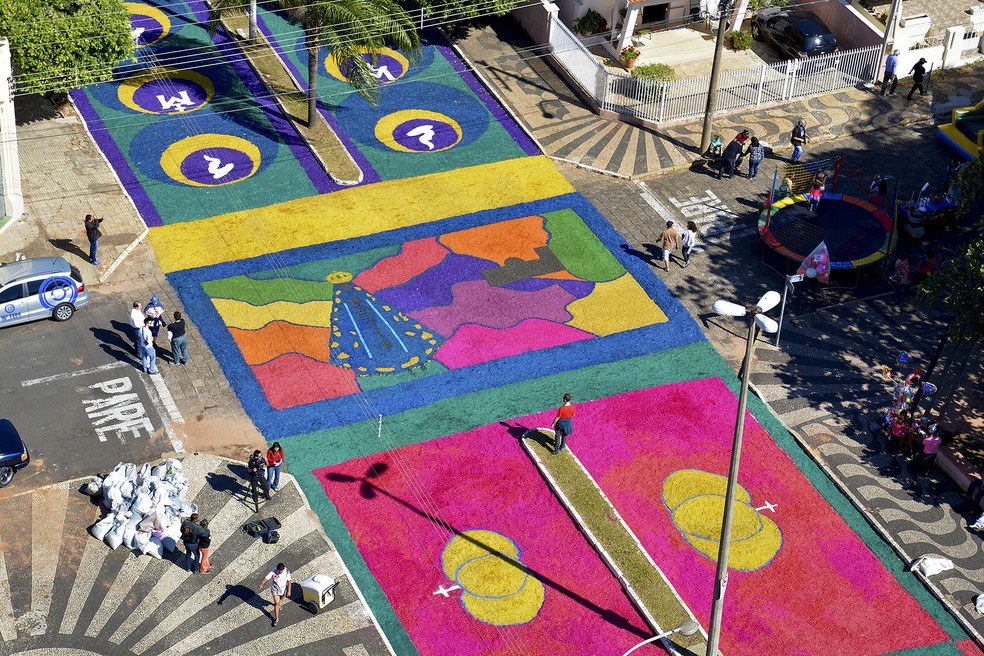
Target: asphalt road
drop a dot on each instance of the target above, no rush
(78, 396)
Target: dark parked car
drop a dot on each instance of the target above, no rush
(796, 32)
(13, 453)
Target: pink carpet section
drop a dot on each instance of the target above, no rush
(969, 648)
(478, 480)
(823, 593)
(413, 259)
(295, 379)
(474, 344)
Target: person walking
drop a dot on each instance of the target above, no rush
(918, 75)
(798, 138)
(148, 355)
(275, 462)
(280, 583)
(670, 240)
(688, 241)
(756, 153)
(204, 544)
(729, 159)
(191, 534)
(92, 233)
(256, 469)
(563, 424)
(891, 76)
(179, 340)
(137, 320)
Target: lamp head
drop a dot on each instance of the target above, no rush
(687, 628)
(768, 301)
(766, 323)
(729, 309)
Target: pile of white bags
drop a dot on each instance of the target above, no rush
(145, 506)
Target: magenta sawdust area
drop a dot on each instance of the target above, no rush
(437, 523)
(474, 563)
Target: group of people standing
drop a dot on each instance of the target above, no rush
(743, 144)
(891, 77)
(264, 473)
(197, 541)
(147, 323)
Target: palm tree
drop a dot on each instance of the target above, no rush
(347, 28)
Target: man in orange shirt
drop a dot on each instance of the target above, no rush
(563, 424)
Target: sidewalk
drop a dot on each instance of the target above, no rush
(568, 131)
(82, 595)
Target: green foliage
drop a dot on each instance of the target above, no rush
(741, 40)
(959, 282)
(456, 10)
(57, 45)
(590, 23)
(755, 5)
(657, 72)
(347, 29)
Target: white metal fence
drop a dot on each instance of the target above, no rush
(667, 101)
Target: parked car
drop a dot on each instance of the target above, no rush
(13, 453)
(796, 32)
(40, 288)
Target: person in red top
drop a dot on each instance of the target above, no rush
(563, 424)
(275, 462)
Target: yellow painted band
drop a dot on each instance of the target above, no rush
(128, 88)
(356, 212)
(175, 154)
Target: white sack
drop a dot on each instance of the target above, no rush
(129, 533)
(153, 548)
(929, 565)
(115, 536)
(95, 487)
(102, 527)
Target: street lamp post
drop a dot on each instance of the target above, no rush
(687, 628)
(756, 318)
(705, 136)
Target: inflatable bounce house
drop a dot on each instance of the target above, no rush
(965, 133)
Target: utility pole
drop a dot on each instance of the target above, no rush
(889, 38)
(13, 196)
(705, 136)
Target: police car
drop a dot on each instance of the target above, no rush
(40, 288)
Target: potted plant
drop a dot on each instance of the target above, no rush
(591, 23)
(629, 55)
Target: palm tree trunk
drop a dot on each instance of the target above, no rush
(252, 21)
(313, 46)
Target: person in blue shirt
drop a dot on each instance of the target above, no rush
(891, 66)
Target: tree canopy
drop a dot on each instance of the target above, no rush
(57, 45)
(959, 282)
(456, 10)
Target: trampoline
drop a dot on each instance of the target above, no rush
(856, 232)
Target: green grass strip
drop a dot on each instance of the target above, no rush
(596, 515)
(323, 141)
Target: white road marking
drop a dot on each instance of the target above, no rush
(8, 630)
(654, 203)
(73, 374)
(176, 443)
(167, 399)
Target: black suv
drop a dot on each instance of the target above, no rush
(796, 32)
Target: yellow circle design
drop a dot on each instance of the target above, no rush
(696, 502)
(331, 66)
(177, 152)
(129, 88)
(336, 277)
(140, 9)
(389, 124)
(496, 586)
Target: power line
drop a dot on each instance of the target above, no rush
(191, 56)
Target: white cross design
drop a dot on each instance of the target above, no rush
(424, 134)
(447, 592)
(381, 72)
(215, 169)
(177, 103)
(771, 507)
